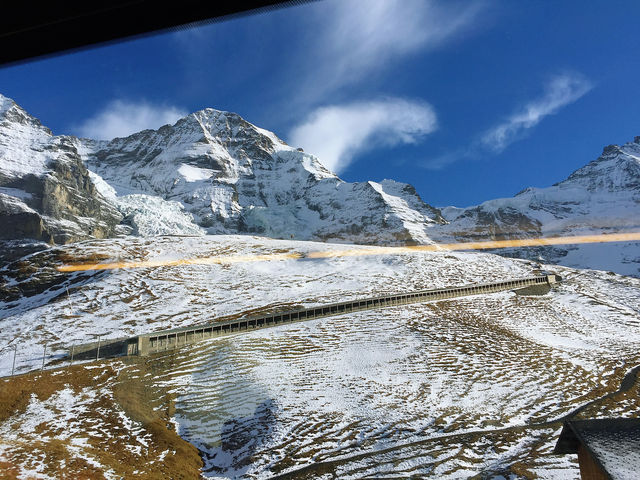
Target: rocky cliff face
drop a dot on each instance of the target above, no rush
(45, 189)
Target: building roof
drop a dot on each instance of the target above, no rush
(614, 444)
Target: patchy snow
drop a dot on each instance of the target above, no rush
(16, 192)
(12, 203)
(356, 384)
(58, 411)
(78, 422)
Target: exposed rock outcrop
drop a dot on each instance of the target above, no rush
(46, 192)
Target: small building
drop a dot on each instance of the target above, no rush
(607, 448)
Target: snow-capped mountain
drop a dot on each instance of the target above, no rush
(45, 189)
(233, 177)
(601, 197)
(212, 172)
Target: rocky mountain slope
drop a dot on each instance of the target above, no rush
(212, 172)
(233, 177)
(601, 197)
(45, 189)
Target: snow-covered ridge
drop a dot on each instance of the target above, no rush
(213, 172)
(617, 169)
(234, 177)
(601, 197)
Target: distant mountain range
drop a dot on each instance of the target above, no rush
(214, 173)
(601, 197)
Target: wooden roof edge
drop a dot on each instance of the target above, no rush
(568, 442)
(571, 438)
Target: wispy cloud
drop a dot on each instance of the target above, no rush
(335, 134)
(559, 92)
(120, 119)
(358, 38)
(318, 53)
(446, 159)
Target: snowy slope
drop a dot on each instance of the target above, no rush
(22, 138)
(601, 197)
(345, 388)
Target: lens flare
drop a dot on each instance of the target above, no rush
(362, 251)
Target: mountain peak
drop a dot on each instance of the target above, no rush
(610, 150)
(14, 113)
(5, 104)
(234, 177)
(232, 125)
(616, 170)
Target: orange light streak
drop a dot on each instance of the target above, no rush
(352, 252)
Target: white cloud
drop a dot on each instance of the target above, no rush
(332, 47)
(335, 134)
(120, 119)
(357, 38)
(559, 92)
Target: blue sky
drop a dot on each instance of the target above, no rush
(465, 100)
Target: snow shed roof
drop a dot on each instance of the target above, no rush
(614, 444)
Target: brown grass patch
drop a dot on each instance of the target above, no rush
(74, 257)
(105, 437)
(8, 470)
(15, 392)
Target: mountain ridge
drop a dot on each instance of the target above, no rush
(600, 197)
(213, 172)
